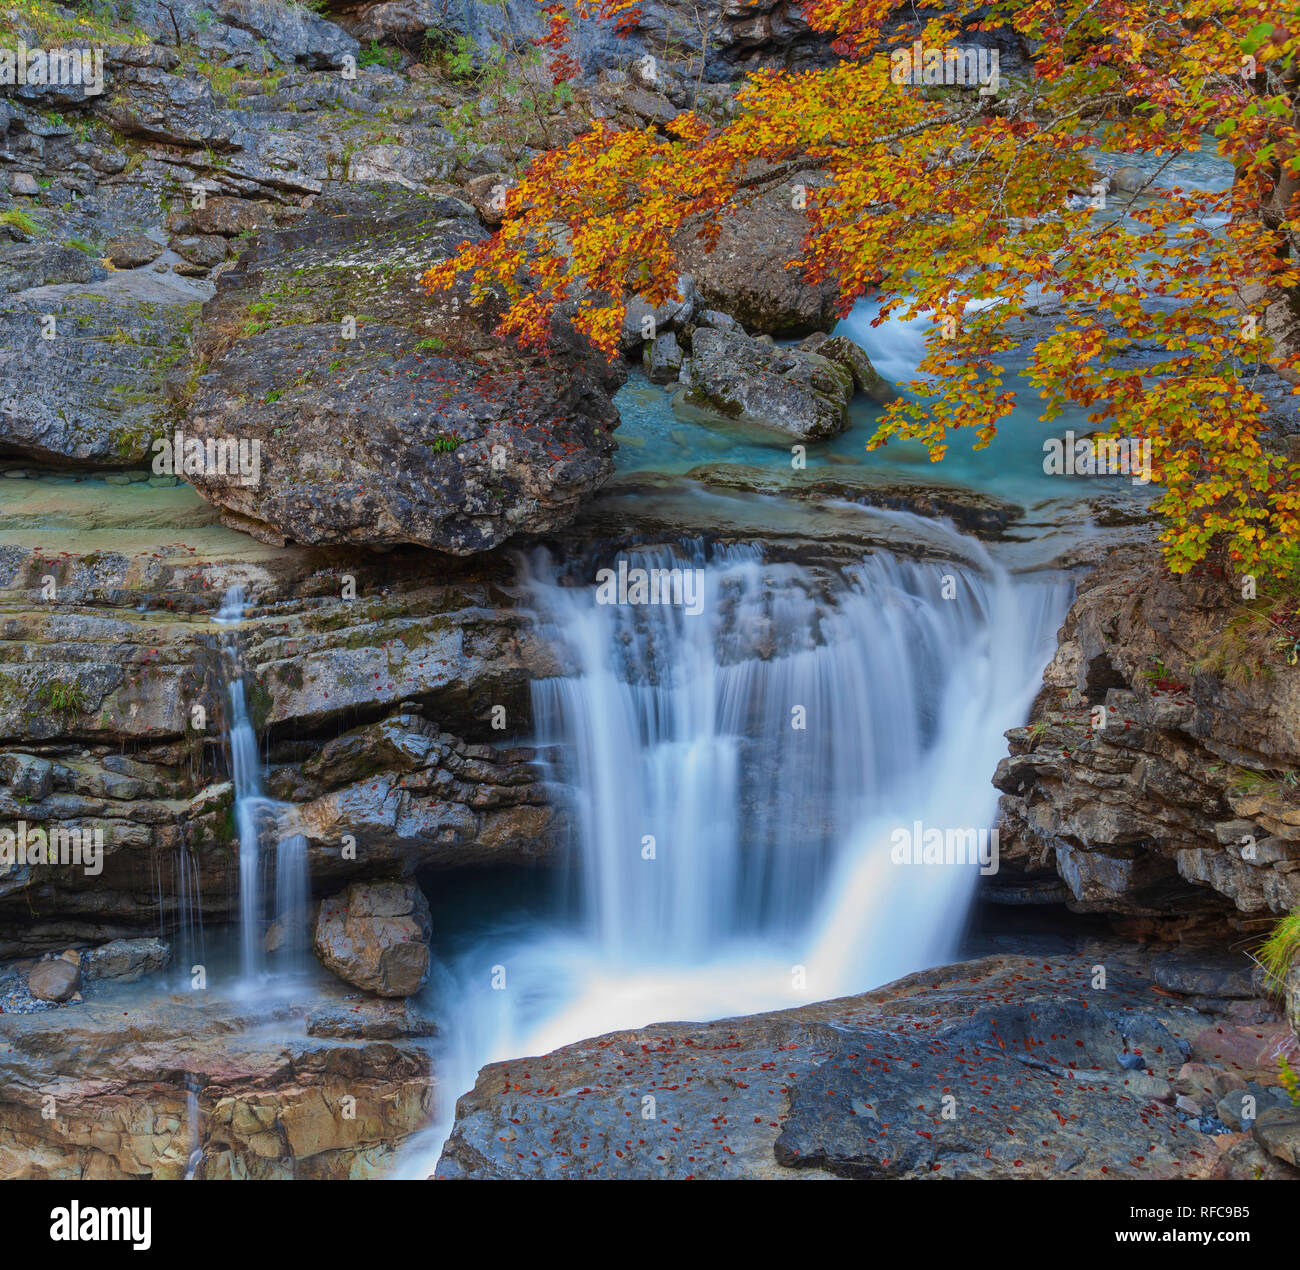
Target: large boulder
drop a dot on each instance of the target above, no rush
(755, 383)
(744, 273)
(422, 428)
(91, 392)
(375, 935)
(892, 1083)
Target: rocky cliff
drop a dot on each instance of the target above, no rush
(1157, 777)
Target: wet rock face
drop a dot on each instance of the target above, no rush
(1006, 1066)
(375, 935)
(379, 712)
(122, 1079)
(1153, 778)
(423, 428)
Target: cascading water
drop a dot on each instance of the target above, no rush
(256, 815)
(738, 780)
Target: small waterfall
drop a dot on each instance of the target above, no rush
(256, 818)
(739, 778)
(292, 892)
(195, 1157)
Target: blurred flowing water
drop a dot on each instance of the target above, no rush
(736, 778)
(257, 820)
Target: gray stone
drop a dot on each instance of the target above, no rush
(779, 389)
(663, 359)
(132, 252)
(126, 960)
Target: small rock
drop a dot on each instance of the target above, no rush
(1277, 1130)
(24, 183)
(488, 193)
(1188, 1105)
(54, 980)
(132, 251)
(663, 359)
(376, 935)
(1205, 1083)
(1131, 1062)
(1233, 1109)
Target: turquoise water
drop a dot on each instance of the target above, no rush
(654, 438)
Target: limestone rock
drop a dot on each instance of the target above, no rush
(744, 274)
(1144, 777)
(376, 935)
(779, 389)
(424, 428)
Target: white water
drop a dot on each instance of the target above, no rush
(257, 817)
(771, 882)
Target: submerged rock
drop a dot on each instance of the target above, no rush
(970, 510)
(376, 936)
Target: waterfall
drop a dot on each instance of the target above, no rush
(743, 781)
(256, 817)
(194, 1156)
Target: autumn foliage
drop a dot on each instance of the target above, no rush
(979, 209)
